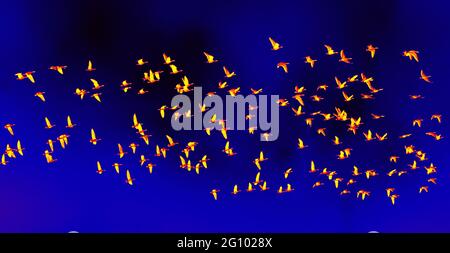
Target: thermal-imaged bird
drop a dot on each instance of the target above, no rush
(99, 168)
(209, 58)
(129, 179)
(310, 61)
(90, 67)
(94, 140)
(69, 123)
(412, 54)
(228, 74)
(344, 58)
(330, 50)
(371, 49)
(275, 45)
(283, 65)
(48, 124)
(425, 77)
(9, 127)
(40, 95)
(214, 193)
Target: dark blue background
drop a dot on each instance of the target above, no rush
(69, 195)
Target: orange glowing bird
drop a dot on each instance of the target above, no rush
(417, 122)
(346, 97)
(381, 137)
(10, 151)
(171, 142)
(367, 96)
(99, 168)
(81, 93)
(117, 167)
(59, 69)
(209, 58)
(275, 45)
(393, 198)
(235, 190)
(282, 102)
(256, 91)
(309, 121)
(375, 116)
(404, 136)
(330, 50)
(416, 97)
(264, 187)
(363, 194)
(94, 140)
(63, 140)
(393, 159)
(174, 69)
(150, 167)
(351, 181)
(344, 58)
(283, 65)
(9, 127)
(250, 187)
(336, 141)
(310, 61)
(90, 67)
(19, 148)
(423, 189)
(370, 173)
(340, 84)
(352, 79)
(316, 98)
(372, 49)
(48, 124)
(431, 169)
(412, 54)
(227, 150)
(300, 144)
(141, 62)
(437, 117)
(298, 111)
(323, 87)
(48, 157)
(337, 181)
(69, 123)
(133, 147)
(97, 97)
(435, 135)
(317, 184)
(432, 180)
(368, 135)
(20, 76)
(121, 153)
(344, 192)
(40, 95)
(50, 145)
(389, 191)
(392, 172)
(287, 173)
(356, 171)
(228, 74)
(233, 92)
(167, 59)
(3, 160)
(321, 131)
(312, 169)
(424, 77)
(129, 180)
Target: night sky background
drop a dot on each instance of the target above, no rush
(70, 195)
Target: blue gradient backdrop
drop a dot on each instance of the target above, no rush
(69, 195)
